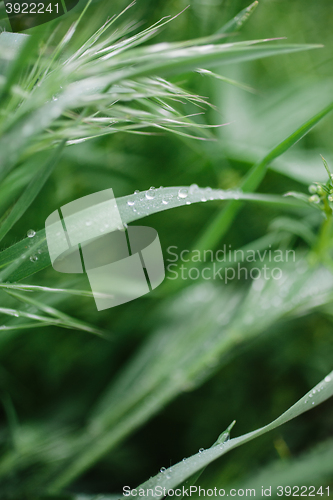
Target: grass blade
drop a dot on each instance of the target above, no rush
(220, 225)
(31, 191)
(237, 22)
(178, 473)
(132, 208)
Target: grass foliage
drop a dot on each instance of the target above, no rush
(94, 401)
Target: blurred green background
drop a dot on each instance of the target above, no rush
(52, 378)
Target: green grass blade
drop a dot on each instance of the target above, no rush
(31, 191)
(131, 208)
(64, 319)
(220, 225)
(178, 473)
(237, 22)
(192, 352)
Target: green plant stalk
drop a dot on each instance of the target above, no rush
(323, 246)
(222, 222)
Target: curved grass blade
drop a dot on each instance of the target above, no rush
(220, 225)
(181, 356)
(64, 319)
(178, 473)
(131, 208)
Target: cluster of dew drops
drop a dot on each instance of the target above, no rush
(225, 438)
(33, 258)
(317, 389)
(150, 195)
(204, 194)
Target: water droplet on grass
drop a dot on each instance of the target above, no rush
(130, 203)
(167, 198)
(150, 194)
(33, 258)
(162, 469)
(31, 233)
(182, 193)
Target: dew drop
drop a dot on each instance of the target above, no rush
(130, 203)
(31, 233)
(167, 198)
(201, 450)
(33, 258)
(182, 193)
(162, 469)
(150, 194)
(88, 223)
(193, 188)
(327, 379)
(136, 191)
(188, 202)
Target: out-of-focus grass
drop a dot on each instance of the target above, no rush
(93, 414)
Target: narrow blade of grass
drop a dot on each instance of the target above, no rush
(131, 208)
(178, 473)
(237, 22)
(31, 191)
(221, 223)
